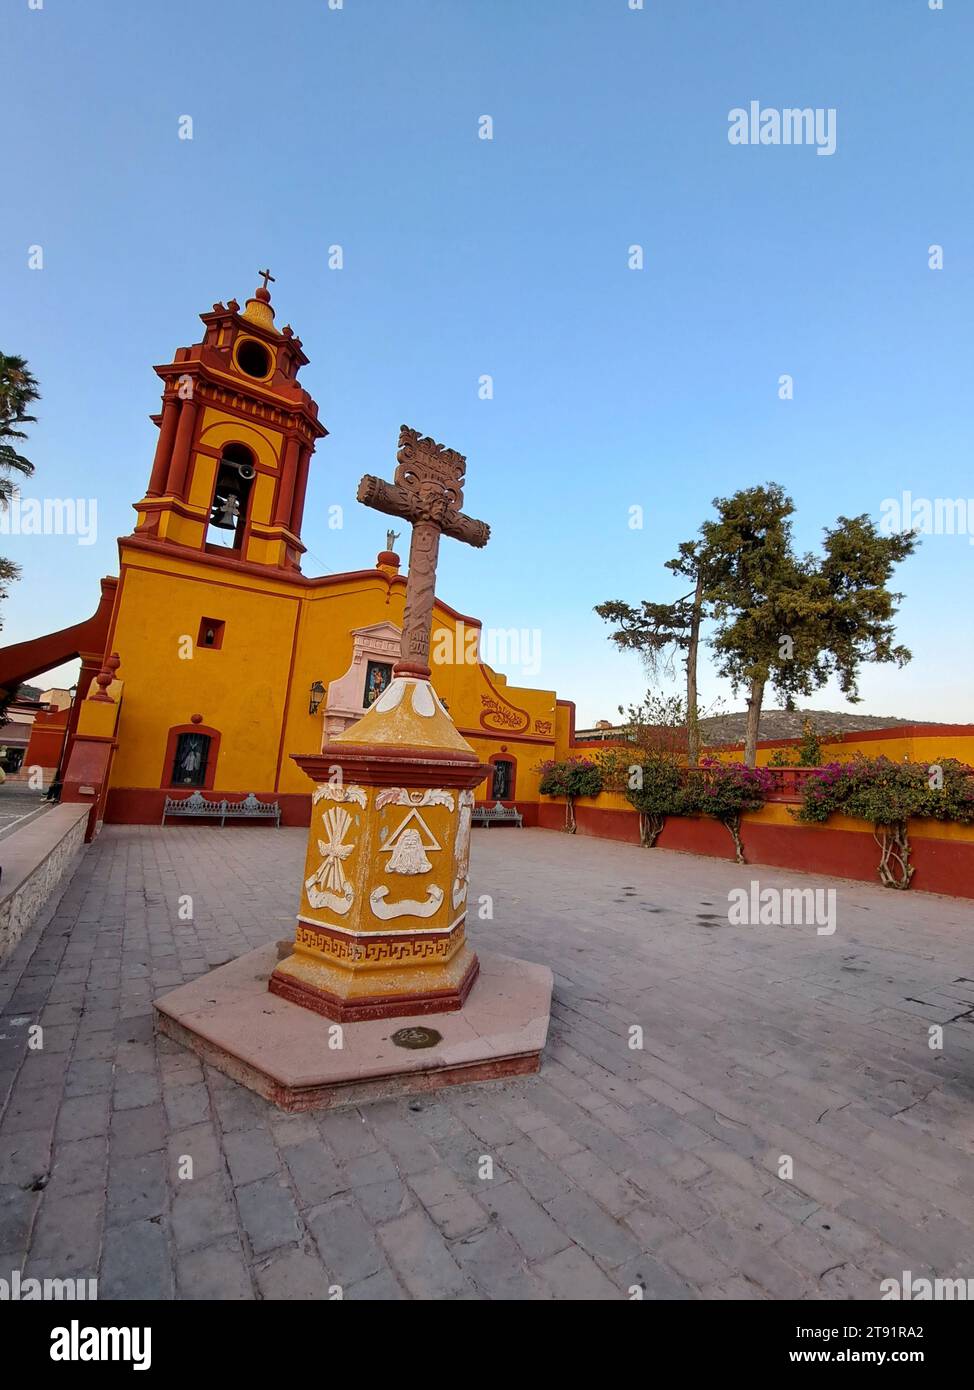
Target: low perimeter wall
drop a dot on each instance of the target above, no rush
(942, 853)
(35, 860)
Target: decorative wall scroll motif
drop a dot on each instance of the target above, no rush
(328, 886)
(333, 791)
(408, 906)
(402, 796)
(498, 715)
(461, 849)
(542, 726)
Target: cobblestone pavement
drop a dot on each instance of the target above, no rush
(615, 1167)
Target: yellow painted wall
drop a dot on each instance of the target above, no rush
(247, 688)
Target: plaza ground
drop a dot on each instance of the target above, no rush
(614, 1167)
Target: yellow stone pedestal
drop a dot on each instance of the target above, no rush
(380, 930)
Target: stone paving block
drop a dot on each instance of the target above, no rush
(370, 1168)
(199, 1144)
(347, 1134)
(524, 1161)
(496, 1265)
(135, 1263)
(421, 1259)
(25, 1157)
(382, 1201)
(251, 1154)
(383, 1287)
(137, 1188)
(68, 1231)
(345, 1240)
(592, 1228)
(571, 1275)
(136, 1090)
(526, 1220)
(314, 1173)
(136, 1132)
(293, 1276)
(648, 1279)
(219, 1272)
(79, 1166)
(459, 1216)
(32, 1107)
(17, 1208)
(268, 1215)
(202, 1211)
(187, 1105)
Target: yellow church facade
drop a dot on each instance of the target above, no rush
(222, 658)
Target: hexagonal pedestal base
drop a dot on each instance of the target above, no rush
(286, 1053)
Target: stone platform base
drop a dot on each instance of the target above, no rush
(283, 1051)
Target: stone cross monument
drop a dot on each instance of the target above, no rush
(428, 492)
(381, 920)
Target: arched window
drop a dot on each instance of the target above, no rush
(191, 756)
(231, 495)
(190, 760)
(502, 779)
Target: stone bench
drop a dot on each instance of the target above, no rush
(197, 805)
(497, 815)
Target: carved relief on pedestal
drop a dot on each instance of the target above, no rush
(461, 849)
(328, 886)
(375, 650)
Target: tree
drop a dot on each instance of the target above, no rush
(857, 609)
(659, 631)
(18, 390)
(755, 587)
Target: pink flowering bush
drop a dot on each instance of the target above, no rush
(569, 777)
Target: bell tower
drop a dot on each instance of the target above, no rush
(236, 435)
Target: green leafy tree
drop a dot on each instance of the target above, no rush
(18, 391)
(753, 594)
(660, 632)
(795, 621)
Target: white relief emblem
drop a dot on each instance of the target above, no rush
(328, 886)
(401, 796)
(408, 855)
(461, 849)
(330, 791)
(384, 910)
(409, 845)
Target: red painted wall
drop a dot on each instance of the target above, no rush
(941, 866)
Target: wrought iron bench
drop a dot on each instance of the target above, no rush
(197, 805)
(252, 809)
(497, 815)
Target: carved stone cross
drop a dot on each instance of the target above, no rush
(427, 491)
(266, 275)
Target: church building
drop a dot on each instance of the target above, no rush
(212, 657)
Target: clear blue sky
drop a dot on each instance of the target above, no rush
(465, 257)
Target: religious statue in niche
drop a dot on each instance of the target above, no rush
(378, 674)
